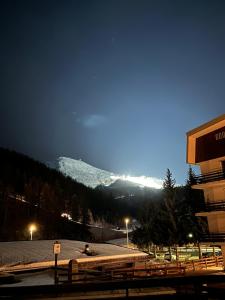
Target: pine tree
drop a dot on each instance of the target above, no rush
(148, 231)
(191, 177)
(169, 200)
(195, 201)
(170, 207)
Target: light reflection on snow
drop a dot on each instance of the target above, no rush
(143, 181)
(66, 215)
(93, 177)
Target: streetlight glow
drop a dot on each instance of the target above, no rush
(32, 228)
(127, 220)
(190, 235)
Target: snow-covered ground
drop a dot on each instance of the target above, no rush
(34, 278)
(37, 254)
(25, 252)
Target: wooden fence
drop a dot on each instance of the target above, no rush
(130, 266)
(204, 263)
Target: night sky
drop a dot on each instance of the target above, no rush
(115, 83)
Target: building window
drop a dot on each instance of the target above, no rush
(223, 166)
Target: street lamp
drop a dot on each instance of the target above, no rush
(32, 228)
(126, 222)
(190, 235)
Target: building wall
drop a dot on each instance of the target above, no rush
(211, 165)
(210, 137)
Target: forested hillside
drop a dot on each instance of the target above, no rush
(31, 191)
(171, 220)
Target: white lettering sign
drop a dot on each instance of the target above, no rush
(56, 248)
(220, 135)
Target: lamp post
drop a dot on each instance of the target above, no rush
(126, 222)
(56, 251)
(32, 228)
(190, 235)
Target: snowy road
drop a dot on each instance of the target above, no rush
(28, 254)
(24, 252)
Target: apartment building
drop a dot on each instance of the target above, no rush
(206, 148)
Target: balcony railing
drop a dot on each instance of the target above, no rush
(209, 177)
(213, 237)
(214, 206)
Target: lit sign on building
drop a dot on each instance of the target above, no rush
(211, 145)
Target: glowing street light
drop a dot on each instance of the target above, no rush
(190, 235)
(32, 228)
(127, 220)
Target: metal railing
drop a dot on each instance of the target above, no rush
(213, 206)
(209, 177)
(213, 237)
(182, 287)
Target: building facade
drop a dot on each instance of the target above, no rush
(206, 148)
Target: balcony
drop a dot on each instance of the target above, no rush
(213, 238)
(214, 206)
(209, 177)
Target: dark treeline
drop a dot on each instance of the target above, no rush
(30, 191)
(170, 220)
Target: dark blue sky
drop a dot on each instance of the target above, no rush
(116, 83)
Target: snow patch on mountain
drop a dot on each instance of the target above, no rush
(84, 173)
(92, 176)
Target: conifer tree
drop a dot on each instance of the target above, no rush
(191, 177)
(169, 201)
(195, 201)
(170, 207)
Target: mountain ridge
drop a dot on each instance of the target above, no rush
(92, 177)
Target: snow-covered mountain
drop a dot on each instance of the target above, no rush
(92, 177)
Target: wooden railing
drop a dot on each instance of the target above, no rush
(136, 269)
(182, 286)
(204, 263)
